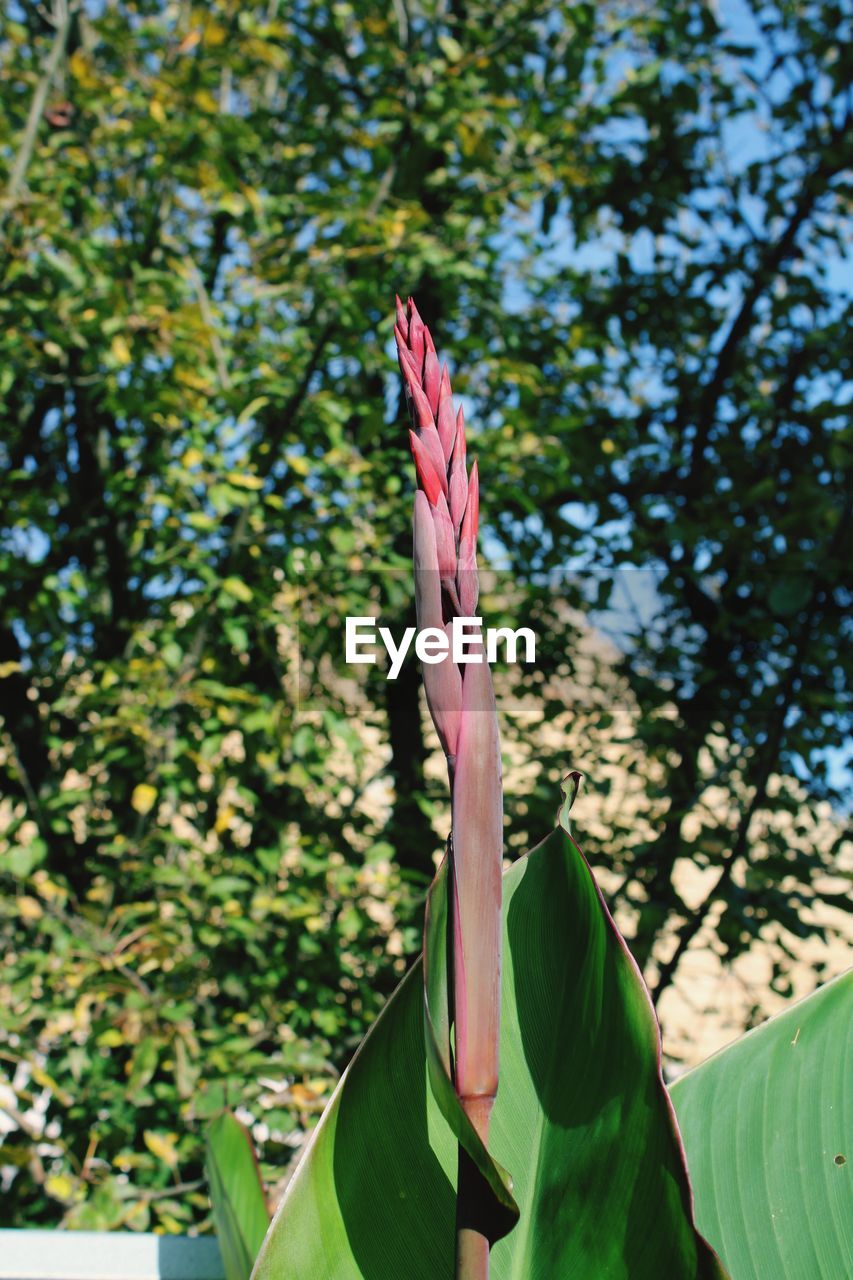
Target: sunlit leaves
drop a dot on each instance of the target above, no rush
(202, 468)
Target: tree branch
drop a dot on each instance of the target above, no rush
(284, 422)
(770, 755)
(774, 255)
(689, 930)
(211, 326)
(63, 16)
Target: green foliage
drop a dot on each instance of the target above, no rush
(213, 855)
(581, 1120)
(134, 1021)
(237, 1195)
(766, 1125)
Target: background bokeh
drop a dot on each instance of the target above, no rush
(625, 225)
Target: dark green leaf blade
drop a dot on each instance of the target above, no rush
(500, 1210)
(588, 1132)
(582, 1120)
(767, 1124)
(373, 1193)
(236, 1194)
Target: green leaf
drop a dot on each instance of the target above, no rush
(582, 1119)
(767, 1124)
(236, 1194)
(790, 594)
(450, 47)
(143, 1064)
(237, 588)
(502, 1211)
(22, 860)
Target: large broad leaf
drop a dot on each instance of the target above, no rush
(236, 1194)
(495, 1211)
(582, 1120)
(768, 1127)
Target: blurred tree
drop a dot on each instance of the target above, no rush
(704, 358)
(624, 222)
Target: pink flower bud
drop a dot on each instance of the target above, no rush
(416, 334)
(471, 519)
(445, 537)
(402, 319)
(445, 419)
(405, 357)
(442, 680)
(432, 379)
(458, 497)
(425, 554)
(427, 475)
(421, 406)
(462, 706)
(458, 460)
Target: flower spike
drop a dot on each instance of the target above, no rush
(462, 705)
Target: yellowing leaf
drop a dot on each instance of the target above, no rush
(143, 798)
(46, 1081)
(254, 199)
(190, 379)
(223, 819)
(157, 111)
(232, 202)
(49, 889)
(251, 409)
(214, 34)
(30, 909)
(205, 101)
(241, 480)
(202, 521)
(130, 1160)
(192, 457)
(189, 41)
(60, 1186)
(469, 139)
(120, 350)
(306, 1098)
(162, 1145)
(81, 69)
(451, 48)
(237, 588)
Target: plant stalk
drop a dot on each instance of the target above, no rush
(461, 700)
(472, 1246)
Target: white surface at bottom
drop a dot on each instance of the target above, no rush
(107, 1255)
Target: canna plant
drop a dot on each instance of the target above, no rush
(526, 970)
(462, 704)
(237, 1194)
